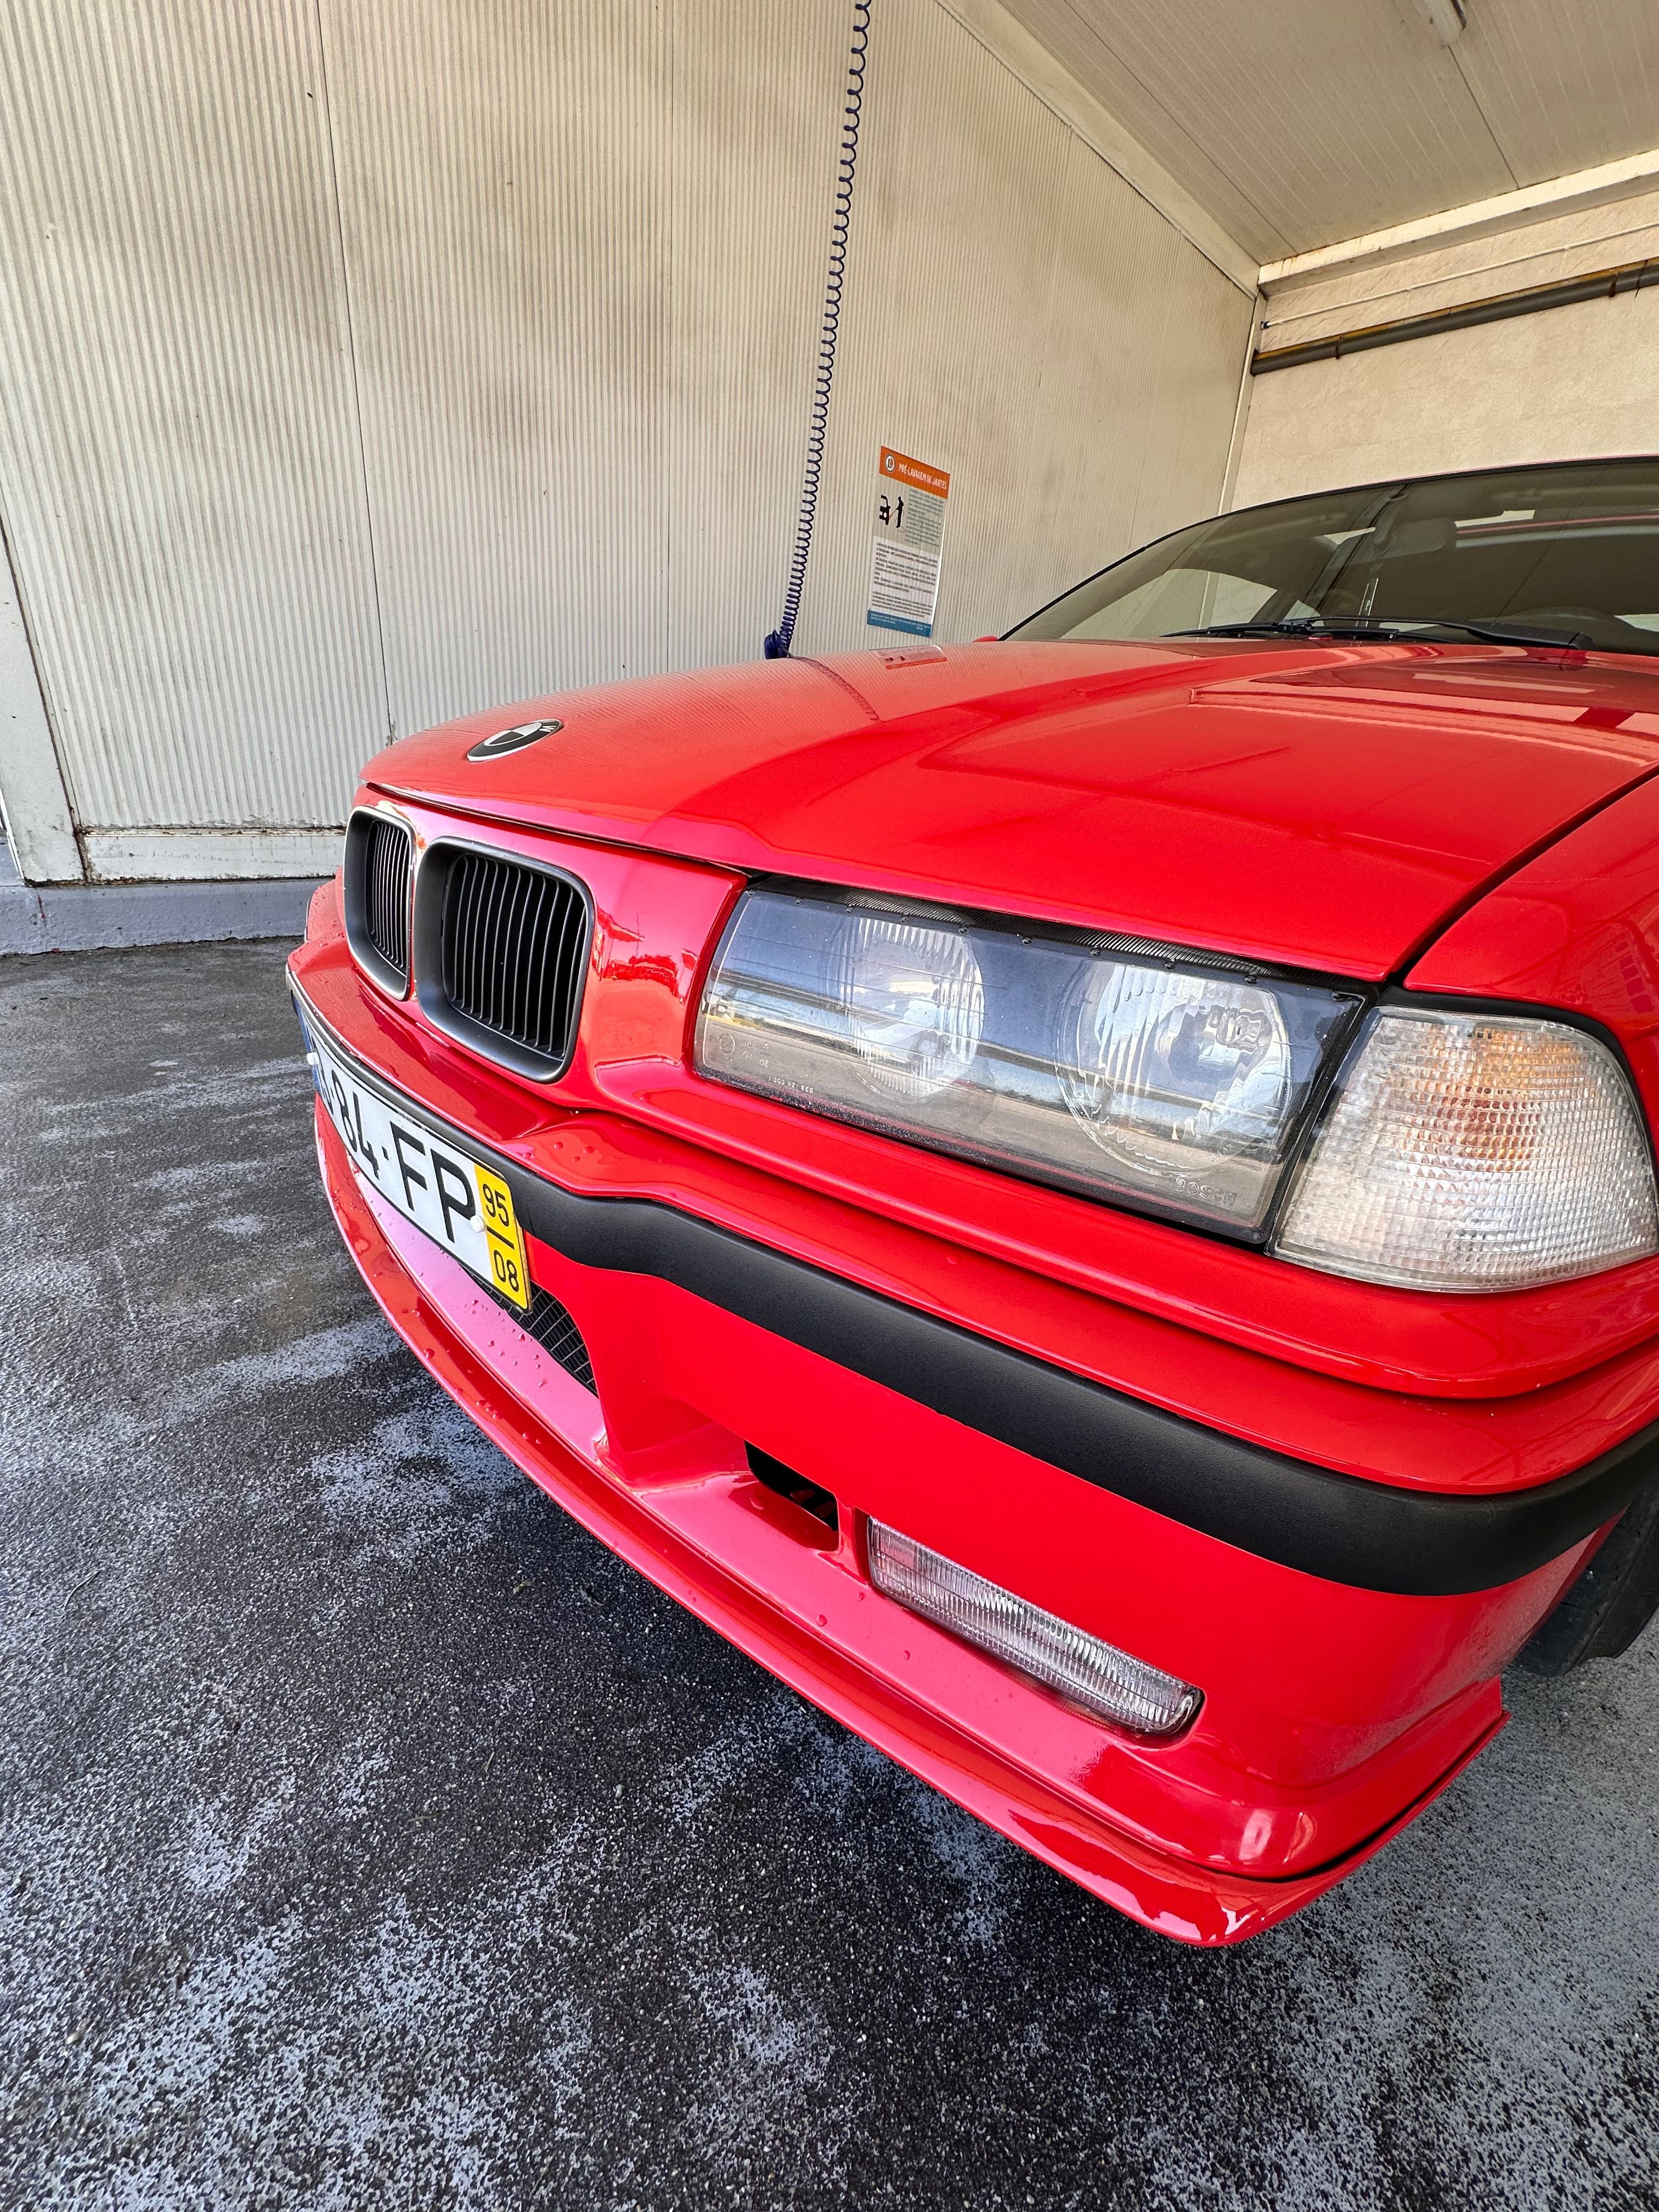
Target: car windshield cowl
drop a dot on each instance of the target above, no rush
(1560, 558)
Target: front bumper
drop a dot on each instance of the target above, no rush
(1346, 1633)
(745, 1563)
(1337, 1509)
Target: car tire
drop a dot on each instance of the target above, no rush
(1610, 1603)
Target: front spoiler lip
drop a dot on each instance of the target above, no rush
(1342, 1527)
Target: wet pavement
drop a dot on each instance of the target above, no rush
(369, 1836)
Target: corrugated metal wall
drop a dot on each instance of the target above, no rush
(179, 469)
(361, 365)
(1018, 316)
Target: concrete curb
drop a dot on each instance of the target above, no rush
(85, 918)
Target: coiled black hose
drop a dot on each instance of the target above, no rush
(778, 641)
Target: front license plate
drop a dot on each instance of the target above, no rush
(460, 1204)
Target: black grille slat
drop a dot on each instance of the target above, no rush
(384, 857)
(560, 974)
(556, 954)
(509, 972)
(473, 937)
(396, 850)
(526, 912)
(526, 995)
(535, 965)
(500, 892)
(512, 939)
(486, 893)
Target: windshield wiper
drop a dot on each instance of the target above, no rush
(1312, 627)
(1498, 633)
(1308, 626)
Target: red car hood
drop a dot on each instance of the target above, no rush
(1326, 806)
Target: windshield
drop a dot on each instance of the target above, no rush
(1558, 553)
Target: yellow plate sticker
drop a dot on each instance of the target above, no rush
(507, 1261)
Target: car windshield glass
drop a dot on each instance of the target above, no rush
(1567, 553)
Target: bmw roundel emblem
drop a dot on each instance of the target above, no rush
(509, 741)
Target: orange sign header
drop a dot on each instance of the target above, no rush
(903, 470)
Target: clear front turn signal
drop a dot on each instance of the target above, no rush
(1108, 1682)
(1473, 1153)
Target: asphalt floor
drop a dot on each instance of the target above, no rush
(369, 1836)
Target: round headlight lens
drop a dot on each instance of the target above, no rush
(915, 1003)
(1155, 1060)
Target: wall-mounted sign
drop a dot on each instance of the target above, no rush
(910, 500)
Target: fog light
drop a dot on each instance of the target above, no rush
(1122, 1690)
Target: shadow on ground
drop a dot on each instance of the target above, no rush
(368, 1835)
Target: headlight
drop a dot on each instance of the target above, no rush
(1116, 1071)
(1160, 1060)
(915, 1004)
(1475, 1151)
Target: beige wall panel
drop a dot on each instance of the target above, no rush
(1573, 383)
(1018, 315)
(1099, 384)
(1510, 258)
(503, 181)
(1188, 427)
(178, 464)
(755, 140)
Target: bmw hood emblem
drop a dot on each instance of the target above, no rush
(509, 741)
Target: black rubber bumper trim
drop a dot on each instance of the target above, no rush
(1370, 1535)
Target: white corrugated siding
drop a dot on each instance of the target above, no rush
(503, 183)
(1020, 317)
(586, 379)
(757, 128)
(366, 363)
(179, 460)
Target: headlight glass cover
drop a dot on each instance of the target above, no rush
(1115, 1069)
(1475, 1151)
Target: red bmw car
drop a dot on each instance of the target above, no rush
(1088, 1198)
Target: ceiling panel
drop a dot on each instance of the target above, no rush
(1077, 37)
(1296, 123)
(1564, 87)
